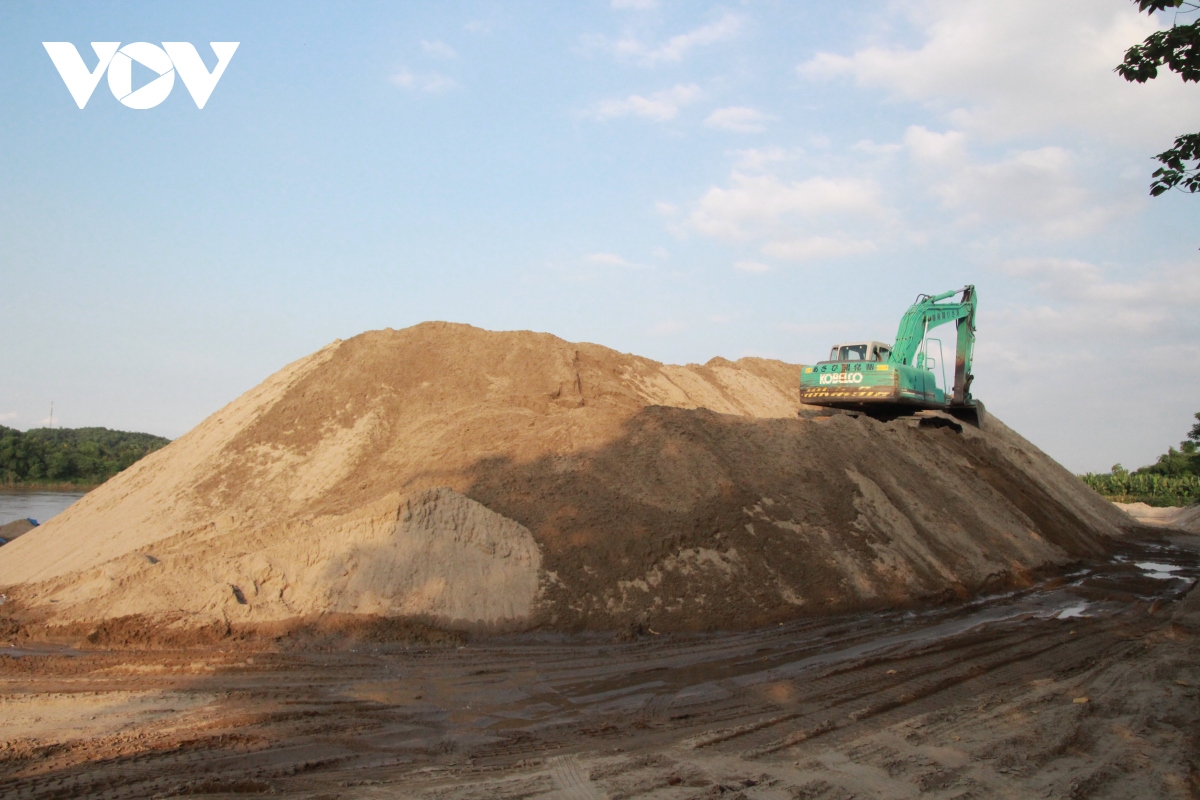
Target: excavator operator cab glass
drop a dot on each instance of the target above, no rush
(849, 352)
(860, 351)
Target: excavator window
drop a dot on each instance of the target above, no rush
(865, 351)
(849, 352)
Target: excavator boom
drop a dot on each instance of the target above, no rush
(925, 315)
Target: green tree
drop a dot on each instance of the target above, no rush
(65, 455)
(1177, 49)
(1173, 480)
(1184, 461)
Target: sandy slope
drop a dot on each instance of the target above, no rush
(576, 486)
(1186, 518)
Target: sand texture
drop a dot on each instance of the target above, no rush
(1186, 518)
(513, 479)
(16, 528)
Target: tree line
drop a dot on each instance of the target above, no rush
(80, 456)
(1172, 480)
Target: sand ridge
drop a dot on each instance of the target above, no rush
(599, 489)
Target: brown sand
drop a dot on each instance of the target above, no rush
(514, 480)
(1186, 518)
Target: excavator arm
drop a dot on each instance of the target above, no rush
(928, 313)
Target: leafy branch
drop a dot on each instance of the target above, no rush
(1177, 49)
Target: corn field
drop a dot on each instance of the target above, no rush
(1155, 490)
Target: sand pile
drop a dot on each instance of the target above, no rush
(18, 527)
(1186, 518)
(514, 479)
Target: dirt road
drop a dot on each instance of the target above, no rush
(1084, 686)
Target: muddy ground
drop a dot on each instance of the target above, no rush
(1081, 686)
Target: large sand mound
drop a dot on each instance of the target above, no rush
(515, 479)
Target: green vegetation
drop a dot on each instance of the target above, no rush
(1154, 490)
(1173, 480)
(80, 456)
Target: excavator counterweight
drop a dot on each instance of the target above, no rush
(889, 380)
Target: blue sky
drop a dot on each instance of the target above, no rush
(678, 180)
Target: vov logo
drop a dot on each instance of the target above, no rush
(172, 57)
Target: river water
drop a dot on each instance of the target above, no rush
(39, 505)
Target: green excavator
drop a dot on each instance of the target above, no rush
(887, 381)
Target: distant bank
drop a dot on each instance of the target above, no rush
(1172, 481)
(69, 458)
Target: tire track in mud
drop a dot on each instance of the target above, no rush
(570, 780)
(941, 686)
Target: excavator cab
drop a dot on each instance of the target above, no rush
(860, 351)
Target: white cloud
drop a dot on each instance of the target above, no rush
(876, 149)
(1074, 314)
(758, 159)
(659, 106)
(635, 5)
(676, 48)
(1038, 189)
(431, 82)
(438, 49)
(668, 327)
(752, 266)
(8, 416)
(790, 220)
(816, 247)
(661, 252)
(613, 260)
(1024, 66)
(1083, 347)
(1156, 299)
(756, 204)
(739, 119)
(1103, 350)
(937, 149)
